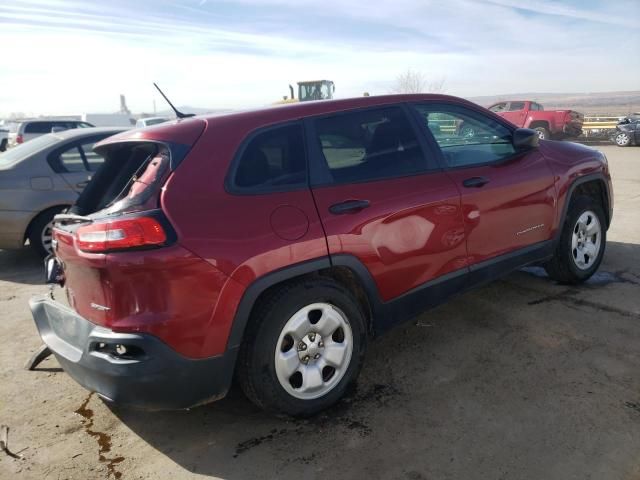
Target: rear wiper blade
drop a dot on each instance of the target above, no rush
(71, 218)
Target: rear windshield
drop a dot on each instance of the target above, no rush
(27, 149)
(128, 180)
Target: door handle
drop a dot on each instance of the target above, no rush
(82, 184)
(348, 206)
(475, 182)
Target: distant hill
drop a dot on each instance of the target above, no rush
(196, 110)
(603, 103)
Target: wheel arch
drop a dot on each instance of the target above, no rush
(540, 123)
(38, 214)
(593, 185)
(345, 269)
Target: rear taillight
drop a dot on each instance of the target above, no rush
(19, 139)
(120, 234)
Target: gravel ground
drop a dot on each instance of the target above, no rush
(522, 379)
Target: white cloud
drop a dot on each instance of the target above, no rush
(71, 57)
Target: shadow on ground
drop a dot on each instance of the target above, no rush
(512, 380)
(21, 266)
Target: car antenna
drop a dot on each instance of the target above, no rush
(178, 113)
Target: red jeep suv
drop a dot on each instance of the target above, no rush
(270, 246)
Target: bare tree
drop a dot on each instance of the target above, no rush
(437, 85)
(416, 82)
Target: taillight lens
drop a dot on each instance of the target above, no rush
(19, 139)
(120, 234)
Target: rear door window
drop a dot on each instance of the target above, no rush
(272, 160)
(93, 160)
(72, 160)
(369, 145)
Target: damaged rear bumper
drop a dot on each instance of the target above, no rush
(149, 374)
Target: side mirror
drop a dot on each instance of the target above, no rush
(525, 138)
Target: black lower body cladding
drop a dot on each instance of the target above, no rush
(155, 377)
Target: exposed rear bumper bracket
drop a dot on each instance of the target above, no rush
(37, 358)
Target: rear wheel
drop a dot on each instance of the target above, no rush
(622, 139)
(543, 133)
(3, 145)
(303, 347)
(41, 231)
(582, 242)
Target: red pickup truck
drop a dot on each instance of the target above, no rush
(551, 124)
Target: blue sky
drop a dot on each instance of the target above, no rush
(73, 56)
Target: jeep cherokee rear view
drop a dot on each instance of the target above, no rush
(270, 246)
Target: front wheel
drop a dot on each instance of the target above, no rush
(622, 139)
(582, 242)
(303, 348)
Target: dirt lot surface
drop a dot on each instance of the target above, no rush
(522, 379)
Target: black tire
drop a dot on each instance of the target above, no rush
(562, 266)
(256, 370)
(543, 133)
(37, 226)
(622, 139)
(3, 145)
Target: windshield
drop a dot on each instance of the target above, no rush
(27, 149)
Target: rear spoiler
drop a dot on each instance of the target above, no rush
(185, 132)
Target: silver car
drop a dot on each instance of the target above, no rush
(41, 178)
(147, 122)
(24, 130)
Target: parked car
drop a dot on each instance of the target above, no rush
(146, 122)
(627, 131)
(41, 178)
(25, 130)
(552, 124)
(109, 119)
(273, 244)
(4, 138)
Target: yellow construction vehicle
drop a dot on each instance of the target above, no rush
(311, 90)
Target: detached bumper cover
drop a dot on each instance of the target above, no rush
(156, 378)
(572, 130)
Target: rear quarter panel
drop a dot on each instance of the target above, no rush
(235, 233)
(232, 231)
(548, 116)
